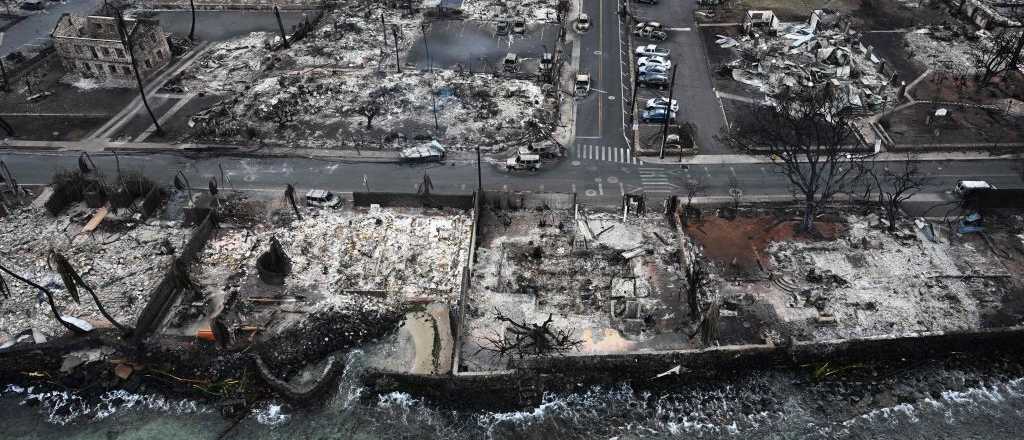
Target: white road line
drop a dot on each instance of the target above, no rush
(685, 29)
(163, 119)
(600, 188)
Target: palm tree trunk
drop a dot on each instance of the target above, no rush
(49, 300)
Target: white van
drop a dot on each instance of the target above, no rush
(523, 162)
(966, 186)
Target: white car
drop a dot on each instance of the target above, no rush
(322, 198)
(651, 61)
(662, 102)
(653, 69)
(652, 50)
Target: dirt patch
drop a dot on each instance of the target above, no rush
(962, 125)
(736, 245)
(951, 87)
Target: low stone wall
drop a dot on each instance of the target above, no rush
(496, 390)
(237, 4)
(528, 200)
(166, 294)
(413, 200)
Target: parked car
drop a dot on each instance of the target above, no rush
(519, 26)
(966, 186)
(521, 161)
(650, 29)
(547, 149)
(653, 70)
(429, 152)
(662, 102)
(654, 61)
(503, 27)
(33, 5)
(651, 50)
(657, 115)
(656, 80)
(582, 23)
(322, 198)
(582, 87)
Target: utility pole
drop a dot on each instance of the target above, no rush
(3, 71)
(668, 116)
(128, 47)
(479, 173)
(280, 26)
(430, 68)
(398, 61)
(192, 30)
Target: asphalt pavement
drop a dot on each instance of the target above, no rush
(35, 30)
(694, 88)
(599, 115)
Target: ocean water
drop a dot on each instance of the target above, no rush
(766, 405)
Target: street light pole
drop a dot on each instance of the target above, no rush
(668, 115)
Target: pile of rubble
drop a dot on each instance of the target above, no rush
(943, 49)
(315, 94)
(532, 11)
(873, 283)
(122, 260)
(598, 275)
(780, 56)
(400, 255)
(471, 108)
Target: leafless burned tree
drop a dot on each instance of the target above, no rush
(698, 279)
(528, 339)
(694, 188)
(1001, 55)
(896, 186)
(374, 103)
(808, 137)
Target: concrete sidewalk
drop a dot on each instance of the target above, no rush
(99, 146)
(733, 159)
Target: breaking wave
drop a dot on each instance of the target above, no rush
(63, 407)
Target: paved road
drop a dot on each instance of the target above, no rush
(224, 25)
(35, 30)
(596, 182)
(599, 116)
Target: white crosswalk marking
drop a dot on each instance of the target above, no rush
(655, 180)
(605, 154)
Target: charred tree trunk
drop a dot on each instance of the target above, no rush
(49, 300)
